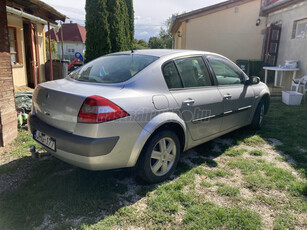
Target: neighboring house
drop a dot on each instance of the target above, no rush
(232, 28)
(22, 54)
(74, 36)
(26, 22)
(287, 22)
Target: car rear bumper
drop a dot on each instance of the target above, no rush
(71, 143)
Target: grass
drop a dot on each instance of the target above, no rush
(257, 152)
(228, 191)
(284, 221)
(66, 197)
(212, 216)
(23, 143)
(283, 122)
(234, 152)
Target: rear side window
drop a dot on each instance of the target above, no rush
(113, 69)
(225, 72)
(171, 76)
(193, 72)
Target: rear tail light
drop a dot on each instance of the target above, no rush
(97, 109)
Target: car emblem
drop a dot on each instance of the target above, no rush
(47, 96)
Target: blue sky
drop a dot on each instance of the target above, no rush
(150, 15)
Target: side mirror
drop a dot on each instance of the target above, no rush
(253, 80)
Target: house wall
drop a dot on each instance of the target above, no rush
(231, 32)
(8, 120)
(78, 47)
(291, 48)
(41, 50)
(180, 42)
(19, 69)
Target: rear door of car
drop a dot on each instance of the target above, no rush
(238, 98)
(199, 100)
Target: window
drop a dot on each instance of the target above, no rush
(171, 76)
(225, 72)
(193, 72)
(113, 68)
(13, 45)
(300, 29)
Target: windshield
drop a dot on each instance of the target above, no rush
(112, 69)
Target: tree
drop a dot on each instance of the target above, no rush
(117, 23)
(129, 4)
(165, 39)
(53, 48)
(140, 44)
(109, 25)
(156, 43)
(97, 29)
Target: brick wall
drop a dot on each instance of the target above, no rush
(8, 118)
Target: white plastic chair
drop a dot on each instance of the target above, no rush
(299, 82)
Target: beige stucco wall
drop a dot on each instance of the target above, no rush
(41, 47)
(291, 48)
(19, 70)
(231, 32)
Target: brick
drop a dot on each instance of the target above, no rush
(8, 118)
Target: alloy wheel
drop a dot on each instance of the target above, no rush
(163, 156)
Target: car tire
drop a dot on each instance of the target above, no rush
(257, 121)
(159, 157)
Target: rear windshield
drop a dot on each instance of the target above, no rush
(112, 69)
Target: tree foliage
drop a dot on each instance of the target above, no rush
(130, 10)
(165, 39)
(53, 48)
(109, 27)
(98, 40)
(140, 44)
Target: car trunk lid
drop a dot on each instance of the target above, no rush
(58, 103)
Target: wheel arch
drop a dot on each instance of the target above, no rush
(265, 97)
(162, 121)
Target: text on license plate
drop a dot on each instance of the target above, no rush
(44, 139)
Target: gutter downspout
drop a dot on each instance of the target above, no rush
(50, 54)
(28, 16)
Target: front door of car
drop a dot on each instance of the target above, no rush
(199, 100)
(238, 98)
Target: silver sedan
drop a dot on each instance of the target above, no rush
(144, 108)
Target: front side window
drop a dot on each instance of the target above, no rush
(13, 45)
(225, 72)
(171, 76)
(193, 72)
(113, 68)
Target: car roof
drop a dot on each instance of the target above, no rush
(162, 52)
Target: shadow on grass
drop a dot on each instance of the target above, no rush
(57, 195)
(55, 192)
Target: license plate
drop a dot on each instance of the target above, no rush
(45, 140)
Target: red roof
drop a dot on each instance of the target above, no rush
(72, 32)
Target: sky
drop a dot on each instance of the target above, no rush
(150, 15)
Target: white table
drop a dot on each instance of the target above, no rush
(277, 70)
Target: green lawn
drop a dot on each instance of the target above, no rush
(249, 184)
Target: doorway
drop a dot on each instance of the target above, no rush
(31, 53)
(272, 44)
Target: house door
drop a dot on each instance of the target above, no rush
(31, 52)
(272, 45)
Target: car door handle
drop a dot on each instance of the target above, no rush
(189, 102)
(227, 96)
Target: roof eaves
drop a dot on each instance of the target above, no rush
(265, 10)
(205, 11)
